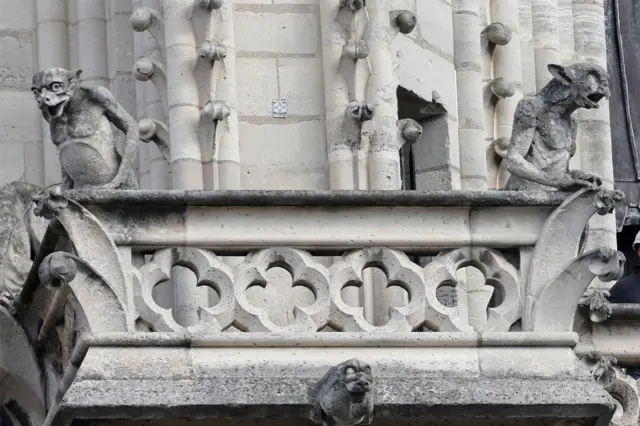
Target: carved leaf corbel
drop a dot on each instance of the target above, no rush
(148, 19)
(305, 271)
(157, 132)
(210, 271)
(400, 271)
(554, 309)
(146, 69)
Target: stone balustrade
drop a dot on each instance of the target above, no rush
(92, 292)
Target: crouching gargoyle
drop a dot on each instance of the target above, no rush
(544, 133)
(344, 396)
(80, 118)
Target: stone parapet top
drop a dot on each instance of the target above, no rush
(342, 339)
(316, 198)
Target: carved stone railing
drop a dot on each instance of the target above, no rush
(105, 254)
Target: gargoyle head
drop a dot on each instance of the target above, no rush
(53, 88)
(357, 379)
(588, 83)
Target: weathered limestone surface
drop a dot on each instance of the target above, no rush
(129, 306)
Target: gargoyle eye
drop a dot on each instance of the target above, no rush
(55, 86)
(349, 371)
(367, 370)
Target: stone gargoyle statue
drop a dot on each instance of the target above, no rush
(80, 118)
(344, 396)
(544, 132)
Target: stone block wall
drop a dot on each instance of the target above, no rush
(280, 52)
(21, 156)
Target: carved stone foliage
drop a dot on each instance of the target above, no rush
(236, 308)
(498, 273)
(596, 301)
(210, 271)
(602, 368)
(344, 395)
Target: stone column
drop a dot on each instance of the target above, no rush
(227, 138)
(594, 130)
(526, 48)
(153, 108)
(546, 38)
(507, 64)
(384, 158)
(52, 39)
(92, 41)
(467, 59)
(339, 151)
(565, 17)
(184, 118)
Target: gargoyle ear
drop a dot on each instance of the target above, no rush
(74, 76)
(560, 73)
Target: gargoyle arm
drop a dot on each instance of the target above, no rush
(524, 128)
(123, 121)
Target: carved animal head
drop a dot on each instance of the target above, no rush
(52, 88)
(356, 377)
(588, 83)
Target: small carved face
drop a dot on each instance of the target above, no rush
(52, 89)
(357, 379)
(589, 83)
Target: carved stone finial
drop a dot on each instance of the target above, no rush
(216, 110)
(498, 33)
(405, 21)
(356, 50)
(358, 111)
(596, 300)
(57, 268)
(542, 146)
(49, 203)
(353, 5)
(344, 396)
(209, 4)
(602, 368)
(213, 51)
(80, 117)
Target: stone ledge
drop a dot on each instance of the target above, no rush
(288, 398)
(316, 198)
